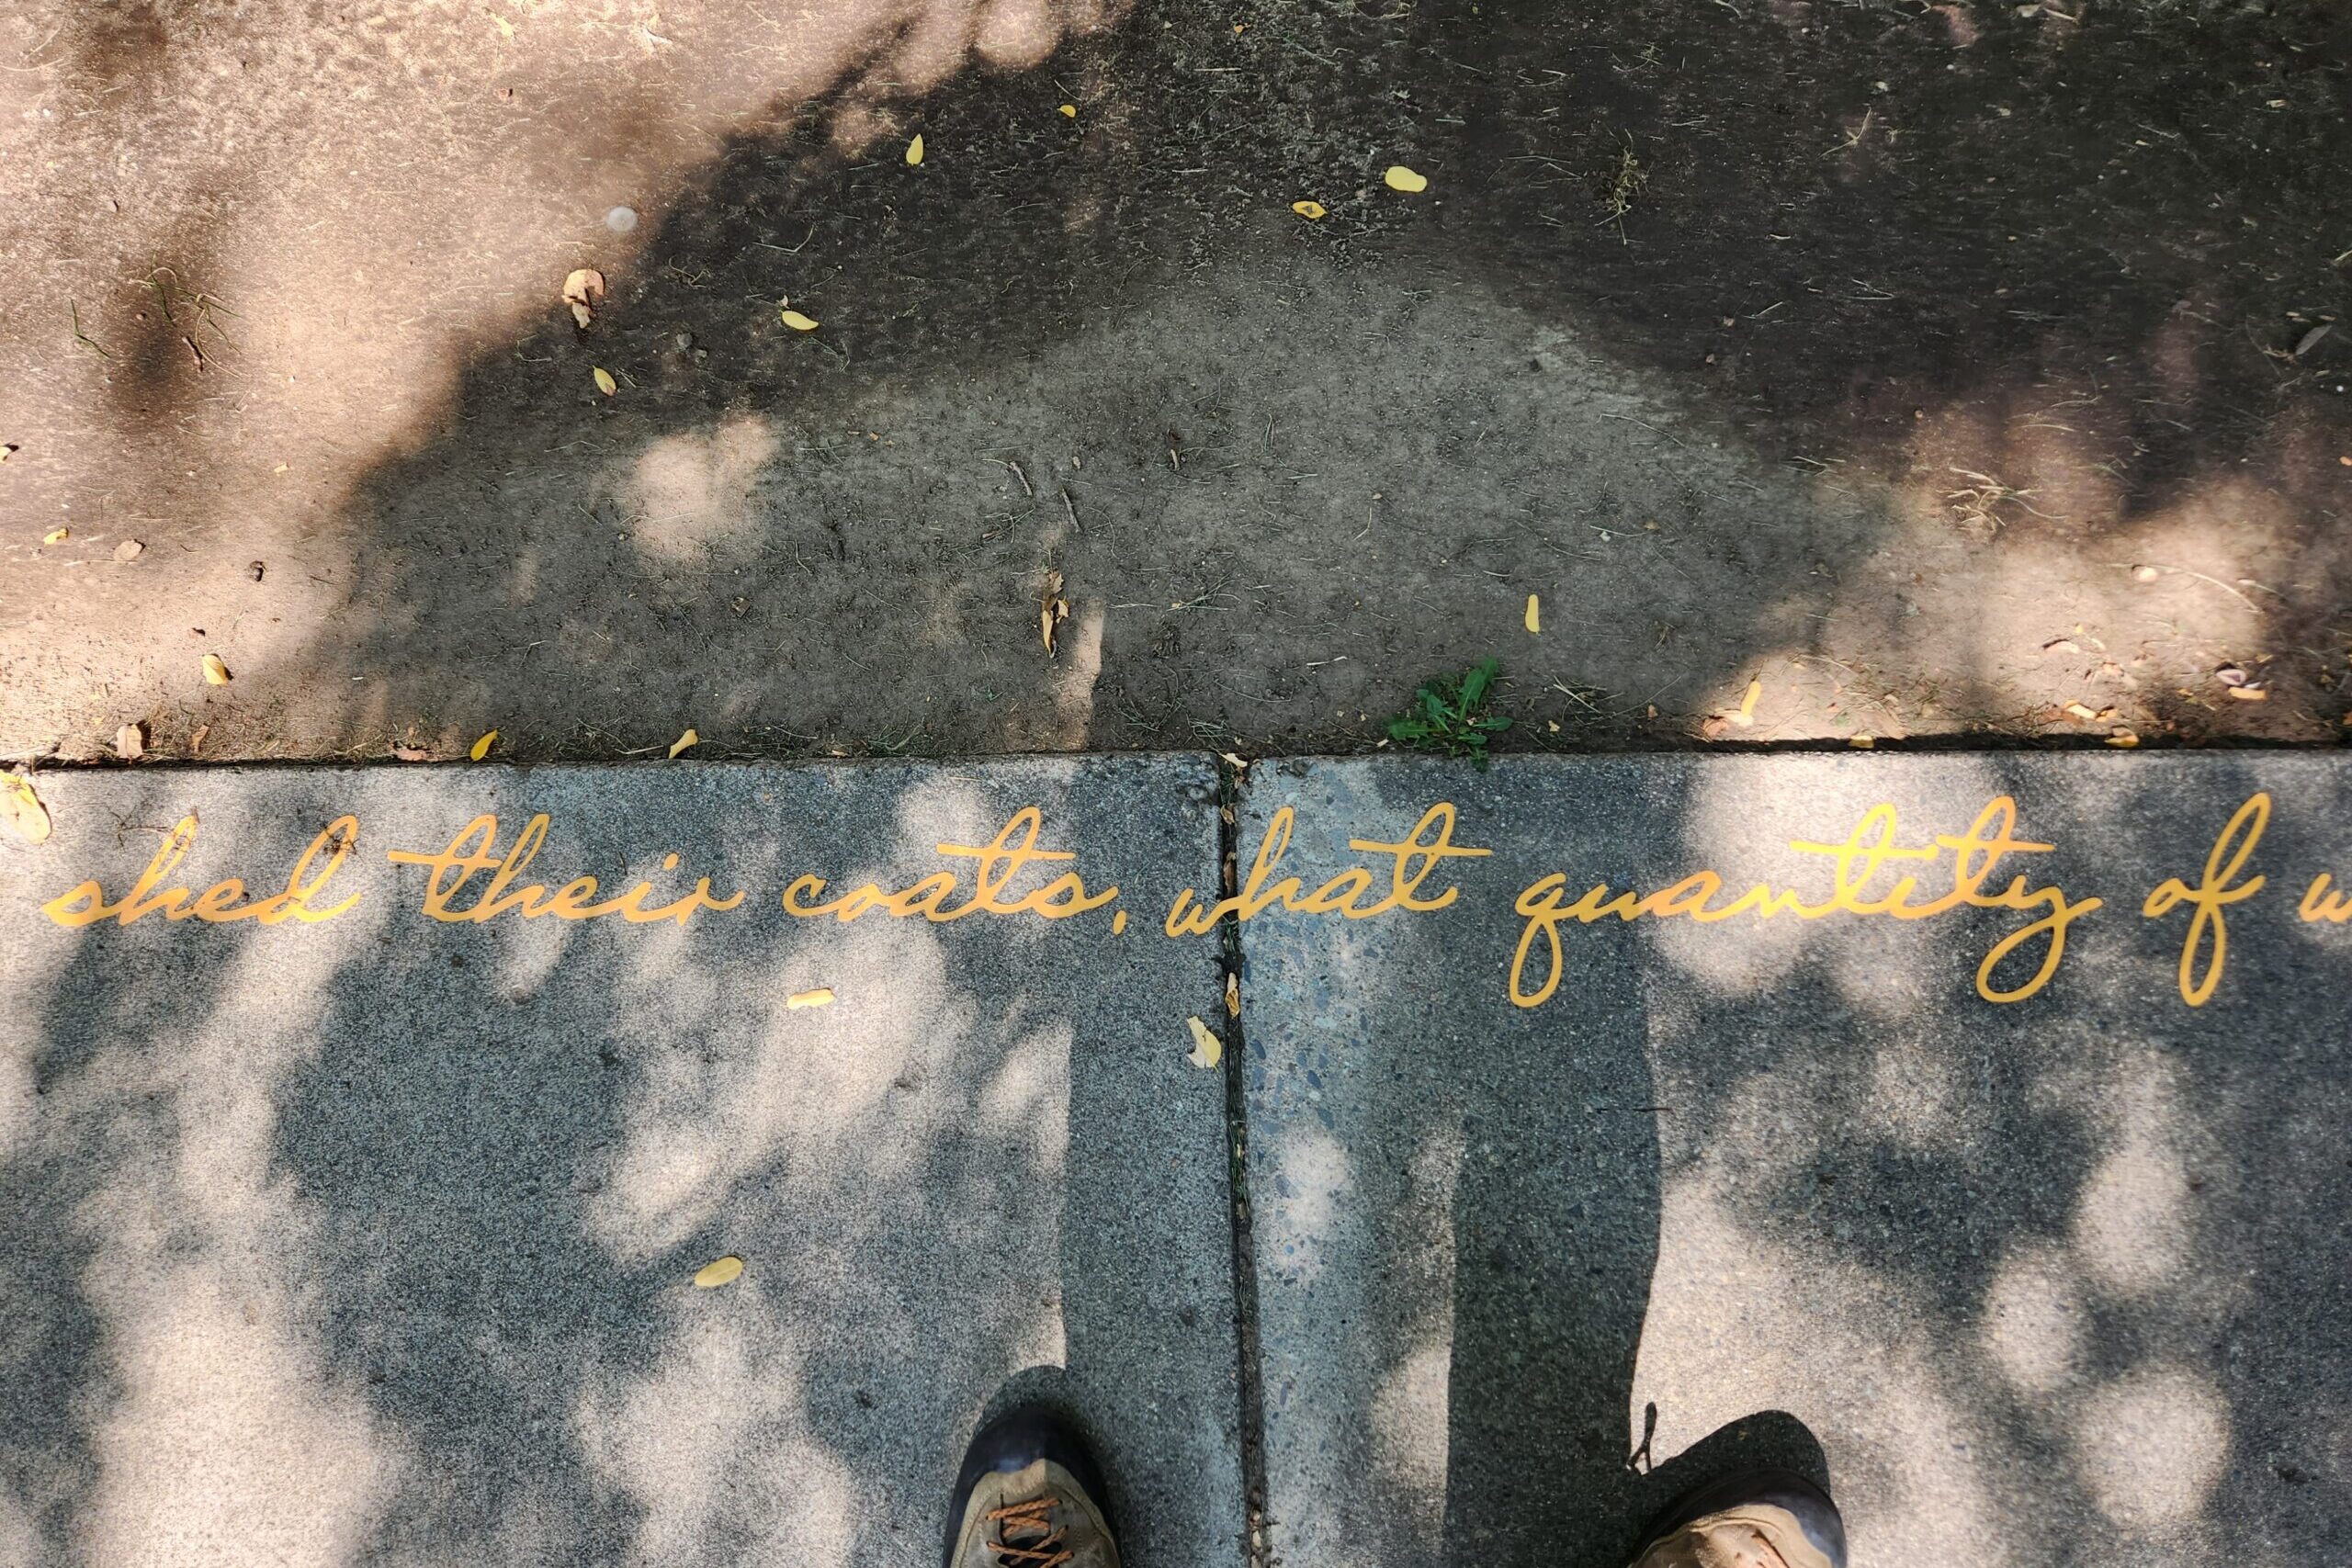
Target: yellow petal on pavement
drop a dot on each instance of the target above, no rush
(797, 321)
(480, 748)
(822, 997)
(23, 810)
(1069, 112)
(718, 1271)
(215, 672)
(605, 382)
(1400, 177)
(1208, 1049)
(914, 152)
(1534, 615)
(689, 738)
(1310, 210)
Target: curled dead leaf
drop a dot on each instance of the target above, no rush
(1400, 177)
(1233, 996)
(718, 1271)
(480, 748)
(691, 737)
(23, 810)
(195, 736)
(605, 382)
(1208, 1049)
(822, 997)
(583, 291)
(127, 550)
(130, 743)
(1052, 611)
(412, 754)
(215, 672)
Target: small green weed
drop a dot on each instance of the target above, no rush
(1451, 717)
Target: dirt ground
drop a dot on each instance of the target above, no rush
(1936, 373)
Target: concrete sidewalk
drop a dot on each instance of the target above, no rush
(353, 1214)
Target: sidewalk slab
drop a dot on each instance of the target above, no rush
(2022, 1281)
(373, 1238)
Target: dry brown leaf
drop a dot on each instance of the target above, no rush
(1400, 177)
(1052, 611)
(127, 550)
(480, 748)
(215, 672)
(822, 997)
(583, 291)
(23, 810)
(1233, 996)
(718, 1271)
(914, 152)
(412, 754)
(605, 382)
(1208, 1049)
(1534, 615)
(1310, 210)
(130, 743)
(195, 736)
(691, 737)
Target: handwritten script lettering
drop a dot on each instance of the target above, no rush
(475, 849)
(2208, 928)
(1002, 859)
(222, 902)
(1855, 864)
(1410, 862)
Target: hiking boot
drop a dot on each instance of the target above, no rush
(1760, 1518)
(1029, 1496)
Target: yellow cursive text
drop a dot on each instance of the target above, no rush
(475, 849)
(1410, 863)
(218, 903)
(1855, 864)
(1000, 861)
(2214, 894)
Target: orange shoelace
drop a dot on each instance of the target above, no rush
(1026, 1537)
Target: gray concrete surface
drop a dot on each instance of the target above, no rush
(371, 1240)
(2054, 1281)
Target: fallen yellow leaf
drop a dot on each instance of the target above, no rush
(1069, 112)
(57, 536)
(2123, 738)
(480, 748)
(1534, 615)
(583, 286)
(23, 808)
(914, 152)
(1310, 210)
(1861, 743)
(691, 737)
(718, 1271)
(605, 382)
(215, 672)
(1745, 714)
(822, 997)
(1208, 1049)
(2248, 694)
(1400, 177)
(2083, 711)
(797, 322)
